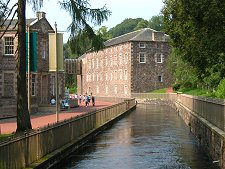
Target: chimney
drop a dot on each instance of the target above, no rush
(40, 15)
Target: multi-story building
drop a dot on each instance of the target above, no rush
(42, 80)
(134, 62)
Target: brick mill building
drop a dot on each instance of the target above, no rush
(42, 80)
(131, 63)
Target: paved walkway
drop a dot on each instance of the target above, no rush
(43, 119)
(169, 90)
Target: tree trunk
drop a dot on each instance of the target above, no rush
(23, 116)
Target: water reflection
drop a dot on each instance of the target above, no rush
(151, 137)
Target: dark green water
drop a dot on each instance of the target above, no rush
(151, 137)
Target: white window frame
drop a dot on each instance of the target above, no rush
(106, 76)
(97, 63)
(93, 77)
(97, 89)
(121, 74)
(160, 78)
(111, 60)
(142, 55)
(44, 50)
(142, 45)
(159, 58)
(93, 63)
(121, 59)
(89, 64)
(125, 74)
(115, 59)
(116, 89)
(9, 44)
(106, 61)
(111, 76)
(106, 89)
(115, 75)
(125, 89)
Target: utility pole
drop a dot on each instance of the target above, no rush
(57, 97)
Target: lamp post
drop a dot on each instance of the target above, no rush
(57, 97)
(28, 67)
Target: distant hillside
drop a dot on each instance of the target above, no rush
(78, 45)
(128, 25)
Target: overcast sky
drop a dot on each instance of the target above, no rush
(121, 9)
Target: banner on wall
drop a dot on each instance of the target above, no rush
(53, 48)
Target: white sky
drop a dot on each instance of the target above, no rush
(121, 9)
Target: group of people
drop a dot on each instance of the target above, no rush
(87, 99)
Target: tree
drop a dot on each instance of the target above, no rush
(142, 24)
(156, 23)
(104, 33)
(80, 12)
(128, 25)
(23, 116)
(196, 29)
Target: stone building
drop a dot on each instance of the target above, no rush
(131, 63)
(42, 81)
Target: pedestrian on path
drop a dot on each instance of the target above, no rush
(86, 101)
(93, 100)
(80, 98)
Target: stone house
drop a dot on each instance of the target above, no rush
(42, 81)
(131, 63)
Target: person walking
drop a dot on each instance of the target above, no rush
(80, 98)
(89, 99)
(93, 100)
(86, 101)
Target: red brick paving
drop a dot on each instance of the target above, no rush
(169, 90)
(42, 119)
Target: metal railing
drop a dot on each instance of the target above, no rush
(24, 149)
(212, 110)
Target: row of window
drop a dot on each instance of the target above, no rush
(158, 57)
(34, 85)
(125, 90)
(109, 61)
(142, 59)
(9, 47)
(113, 75)
(53, 86)
(143, 45)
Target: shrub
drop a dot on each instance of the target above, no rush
(220, 92)
(176, 86)
(73, 90)
(187, 85)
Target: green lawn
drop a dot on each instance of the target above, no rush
(190, 91)
(159, 91)
(197, 92)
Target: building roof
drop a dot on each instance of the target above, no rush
(139, 35)
(29, 21)
(14, 21)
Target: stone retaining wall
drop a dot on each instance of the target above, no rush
(210, 137)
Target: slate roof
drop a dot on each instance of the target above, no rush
(139, 35)
(14, 21)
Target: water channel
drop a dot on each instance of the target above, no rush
(151, 137)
